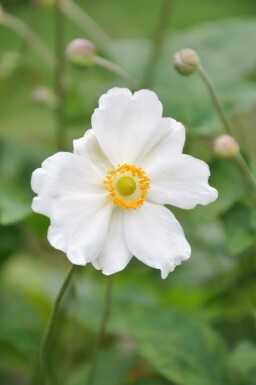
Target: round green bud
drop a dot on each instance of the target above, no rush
(225, 146)
(186, 61)
(81, 52)
(126, 185)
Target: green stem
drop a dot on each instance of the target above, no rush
(85, 22)
(116, 70)
(31, 38)
(23, 49)
(215, 99)
(247, 174)
(158, 41)
(102, 332)
(46, 342)
(239, 160)
(59, 76)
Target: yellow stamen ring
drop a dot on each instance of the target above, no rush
(127, 186)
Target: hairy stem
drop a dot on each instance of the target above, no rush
(215, 99)
(102, 332)
(239, 160)
(46, 342)
(59, 76)
(112, 67)
(157, 43)
(85, 22)
(247, 174)
(30, 37)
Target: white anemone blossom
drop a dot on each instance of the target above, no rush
(106, 199)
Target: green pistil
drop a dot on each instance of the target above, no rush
(126, 185)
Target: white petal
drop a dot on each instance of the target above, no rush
(155, 237)
(125, 124)
(181, 182)
(88, 146)
(169, 141)
(43, 205)
(115, 255)
(66, 174)
(79, 226)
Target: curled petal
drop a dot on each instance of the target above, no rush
(79, 227)
(88, 146)
(155, 237)
(64, 175)
(169, 141)
(182, 182)
(125, 123)
(115, 255)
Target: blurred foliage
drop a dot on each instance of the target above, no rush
(198, 326)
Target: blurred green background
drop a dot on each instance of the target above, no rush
(197, 327)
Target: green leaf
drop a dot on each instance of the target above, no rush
(240, 233)
(17, 161)
(15, 204)
(10, 241)
(216, 43)
(181, 348)
(227, 180)
(244, 362)
(186, 98)
(20, 330)
(113, 368)
(209, 257)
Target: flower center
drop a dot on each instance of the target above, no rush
(127, 186)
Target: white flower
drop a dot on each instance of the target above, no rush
(105, 200)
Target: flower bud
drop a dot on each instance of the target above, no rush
(81, 52)
(45, 96)
(186, 61)
(225, 146)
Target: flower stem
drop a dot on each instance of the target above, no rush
(31, 38)
(45, 346)
(59, 76)
(112, 67)
(158, 40)
(239, 160)
(215, 99)
(102, 332)
(85, 22)
(247, 174)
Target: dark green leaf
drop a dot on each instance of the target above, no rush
(244, 362)
(15, 205)
(181, 348)
(239, 228)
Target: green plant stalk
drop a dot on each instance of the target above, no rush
(247, 174)
(114, 68)
(45, 345)
(215, 99)
(102, 332)
(158, 41)
(239, 160)
(85, 22)
(30, 37)
(60, 76)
